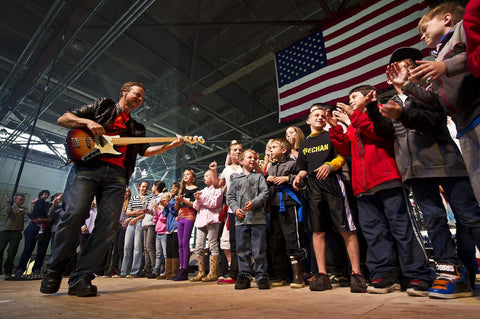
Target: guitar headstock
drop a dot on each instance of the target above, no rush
(194, 139)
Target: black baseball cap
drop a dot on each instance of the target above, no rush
(405, 53)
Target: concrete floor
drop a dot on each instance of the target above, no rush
(150, 298)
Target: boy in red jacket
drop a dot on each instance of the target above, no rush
(382, 199)
(471, 24)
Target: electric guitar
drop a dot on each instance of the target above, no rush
(82, 146)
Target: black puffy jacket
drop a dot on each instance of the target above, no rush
(104, 111)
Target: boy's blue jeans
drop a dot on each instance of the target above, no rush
(387, 227)
(464, 206)
(252, 242)
(470, 144)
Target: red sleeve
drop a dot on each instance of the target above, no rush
(340, 140)
(471, 24)
(361, 122)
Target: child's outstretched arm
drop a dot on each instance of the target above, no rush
(421, 119)
(213, 167)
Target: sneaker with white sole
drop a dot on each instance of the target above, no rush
(451, 282)
(417, 288)
(382, 286)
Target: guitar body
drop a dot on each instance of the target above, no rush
(81, 146)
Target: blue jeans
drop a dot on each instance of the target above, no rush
(252, 243)
(387, 227)
(464, 206)
(470, 144)
(133, 250)
(106, 182)
(161, 252)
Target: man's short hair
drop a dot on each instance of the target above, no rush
(284, 143)
(128, 85)
(19, 195)
(364, 89)
(455, 9)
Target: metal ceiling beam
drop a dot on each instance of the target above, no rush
(223, 24)
(30, 48)
(79, 18)
(133, 13)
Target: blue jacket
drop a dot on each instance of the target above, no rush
(171, 213)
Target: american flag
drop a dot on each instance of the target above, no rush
(355, 50)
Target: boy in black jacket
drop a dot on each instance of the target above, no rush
(427, 158)
(284, 208)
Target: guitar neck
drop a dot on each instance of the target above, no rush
(141, 140)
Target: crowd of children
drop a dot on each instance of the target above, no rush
(272, 219)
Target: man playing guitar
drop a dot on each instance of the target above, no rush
(103, 177)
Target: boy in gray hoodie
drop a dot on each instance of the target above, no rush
(246, 197)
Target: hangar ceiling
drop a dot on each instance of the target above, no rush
(207, 65)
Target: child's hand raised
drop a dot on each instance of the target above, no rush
(342, 117)
(197, 194)
(239, 213)
(332, 121)
(391, 110)
(427, 71)
(396, 74)
(213, 166)
(345, 108)
(371, 97)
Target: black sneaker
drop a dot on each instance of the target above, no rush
(357, 283)
(82, 288)
(51, 282)
(263, 284)
(242, 282)
(320, 282)
(417, 288)
(382, 286)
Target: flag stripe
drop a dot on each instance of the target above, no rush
(358, 49)
(366, 46)
(356, 72)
